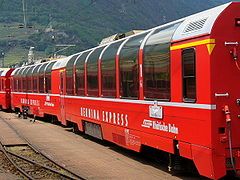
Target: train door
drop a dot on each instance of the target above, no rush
(62, 96)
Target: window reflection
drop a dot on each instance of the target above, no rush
(80, 73)
(156, 64)
(92, 72)
(69, 75)
(108, 66)
(129, 67)
(189, 75)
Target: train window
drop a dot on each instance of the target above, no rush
(13, 85)
(20, 82)
(156, 64)
(35, 78)
(80, 63)
(69, 75)
(0, 81)
(41, 83)
(24, 79)
(15, 77)
(189, 75)
(29, 79)
(92, 72)
(108, 67)
(129, 67)
(48, 77)
(15, 82)
(2, 86)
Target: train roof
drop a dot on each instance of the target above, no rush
(191, 26)
(186, 28)
(35, 68)
(3, 71)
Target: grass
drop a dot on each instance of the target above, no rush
(18, 54)
(13, 32)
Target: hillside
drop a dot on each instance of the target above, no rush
(82, 22)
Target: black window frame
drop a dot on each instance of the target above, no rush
(184, 77)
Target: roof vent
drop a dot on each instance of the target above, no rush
(195, 25)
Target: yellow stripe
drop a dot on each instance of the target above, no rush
(196, 43)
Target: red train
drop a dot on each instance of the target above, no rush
(173, 88)
(5, 91)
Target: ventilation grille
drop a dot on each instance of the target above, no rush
(194, 26)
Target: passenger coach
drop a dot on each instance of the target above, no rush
(5, 96)
(171, 88)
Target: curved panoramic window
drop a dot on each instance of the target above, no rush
(92, 72)
(1, 85)
(35, 78)
(108, 67)
(15, 81)
(41, 77)
(69, 75)
(29, 79)
(80, 77)
(156, 64)
(48, 84)
(24, 79)
(19, 79)
(129, 67)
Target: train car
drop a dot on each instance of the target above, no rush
(5, 91)
(173, 88)
(31, 87)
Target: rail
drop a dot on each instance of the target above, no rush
(31, 162)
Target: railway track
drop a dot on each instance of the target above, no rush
(28, 162)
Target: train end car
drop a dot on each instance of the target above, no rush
(5, 89)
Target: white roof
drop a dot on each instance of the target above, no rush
(5, 70)
(198, 24)
(61, 63)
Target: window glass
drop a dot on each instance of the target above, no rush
(15, 82)
(92, 72)
(80, 63)
(20, 79)
(189, 75)
(24, 79)
(108, 66)
(156, 64)
(129, 67)
(0, 81)
(2, 86)
(29, 78)
(35, 78)
(48, 77)
(41, 78)
(69, 75)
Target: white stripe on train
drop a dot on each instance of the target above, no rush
(170, 104)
